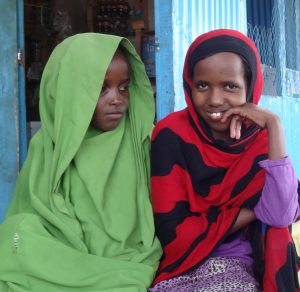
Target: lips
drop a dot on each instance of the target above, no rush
(115, 115)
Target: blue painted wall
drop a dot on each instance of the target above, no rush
(279, 21)
(9, 105)
(288, 109)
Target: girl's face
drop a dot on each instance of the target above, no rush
(219, 83)
(114, 96)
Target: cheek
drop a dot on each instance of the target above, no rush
(98, 111)
(198, 99)
(236, 100)
(126, 103)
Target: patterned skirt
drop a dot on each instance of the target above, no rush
(224, 274)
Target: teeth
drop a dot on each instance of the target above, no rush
(215, 115)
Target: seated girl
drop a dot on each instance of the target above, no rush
(224, 190)
(81, 218)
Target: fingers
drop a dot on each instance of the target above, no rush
(235, 127)
(233, 111)
(250, 112)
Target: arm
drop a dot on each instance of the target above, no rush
(281, 183)
(276, 138)
(278, 205)
(264, 119)
(245, 217)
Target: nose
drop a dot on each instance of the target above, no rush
(115, 96)
(215, 98)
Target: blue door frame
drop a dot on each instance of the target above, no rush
(21, 85)
(164, 58)
(12, 105)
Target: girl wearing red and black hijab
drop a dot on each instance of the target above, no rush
(224, 190)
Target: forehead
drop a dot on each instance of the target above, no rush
(120, 56)
(225, 63)
(119, 63)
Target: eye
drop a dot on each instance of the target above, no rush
(201, 85)
(103, 89)
(124, 87)
(231, 86)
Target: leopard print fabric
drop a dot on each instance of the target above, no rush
(224, 274)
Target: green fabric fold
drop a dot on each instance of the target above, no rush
(81, 218)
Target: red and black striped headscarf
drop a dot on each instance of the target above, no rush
(200, 184)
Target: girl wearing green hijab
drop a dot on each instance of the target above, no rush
(81, 218)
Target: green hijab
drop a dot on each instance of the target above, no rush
(81, 218)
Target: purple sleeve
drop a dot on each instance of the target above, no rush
(278, 205)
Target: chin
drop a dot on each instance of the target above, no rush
(221, 132)
(110, 127)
